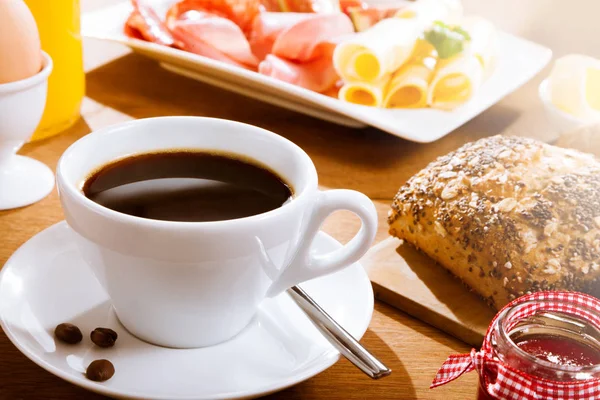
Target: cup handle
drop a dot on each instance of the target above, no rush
(307, 266)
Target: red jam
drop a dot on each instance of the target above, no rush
(561, 351)
(556, 350)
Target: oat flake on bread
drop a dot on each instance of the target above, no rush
(508, 216)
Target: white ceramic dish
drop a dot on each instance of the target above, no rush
(518, 61)
(46, 283)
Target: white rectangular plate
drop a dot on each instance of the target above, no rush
(518, 60)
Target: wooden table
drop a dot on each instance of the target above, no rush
(122, 86)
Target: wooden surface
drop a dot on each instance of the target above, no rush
(122, 86)
(412, 282)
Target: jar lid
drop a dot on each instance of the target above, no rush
(510, 383)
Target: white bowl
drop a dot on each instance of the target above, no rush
(559, 119)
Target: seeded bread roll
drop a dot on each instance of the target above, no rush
(508, 216)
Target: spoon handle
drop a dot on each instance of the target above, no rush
(338, 336)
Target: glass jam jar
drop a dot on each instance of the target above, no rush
(559, 346)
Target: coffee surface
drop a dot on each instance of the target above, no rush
(189, 186)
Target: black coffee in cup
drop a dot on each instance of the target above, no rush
(187, 186)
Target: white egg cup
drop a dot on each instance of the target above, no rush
(23, 180)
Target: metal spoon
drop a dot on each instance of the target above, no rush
(338, 336)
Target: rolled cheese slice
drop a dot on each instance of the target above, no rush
(428, 11)
(455, 82)
(409, 85)
(364, 93)
(377, 52)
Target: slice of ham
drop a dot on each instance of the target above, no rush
(301, 41)
(144, 23)
(210, 30)
(345, 5)
(271, 5)
(302, 53)
(240, 12)
(317, 75)
(268, 26)
(193, 45)
(302, 6)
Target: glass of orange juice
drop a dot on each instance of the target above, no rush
(59, 25)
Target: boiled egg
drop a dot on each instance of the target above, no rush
(574, 86)
(20, 49)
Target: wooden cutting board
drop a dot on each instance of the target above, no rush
(414, 283)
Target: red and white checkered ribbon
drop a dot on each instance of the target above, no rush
(506, 383)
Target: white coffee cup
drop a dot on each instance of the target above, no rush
(195, 284)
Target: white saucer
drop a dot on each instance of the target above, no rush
(45, 283)
(23, 181)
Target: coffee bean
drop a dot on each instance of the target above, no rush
(68, 333)
(104, 337)
(100, 371)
